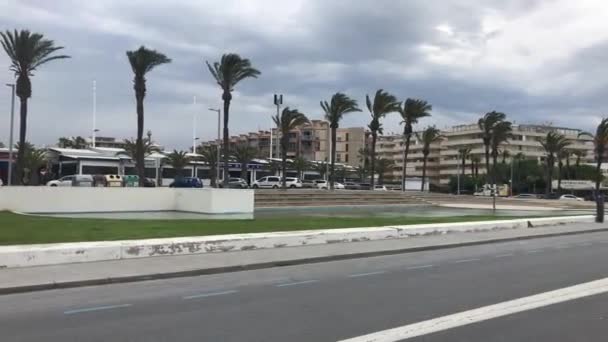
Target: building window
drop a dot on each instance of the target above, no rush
(346, 157)
(346, 138)
(338, 159)
(346, 147)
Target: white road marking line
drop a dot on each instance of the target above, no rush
(210, 294)
(298, 283)
(357, 275)
(485, 313)
(419, 267)
(464, 260)
(504, 255)
(96, 308)
(535, 251)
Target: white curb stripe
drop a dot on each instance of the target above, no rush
(485, 313)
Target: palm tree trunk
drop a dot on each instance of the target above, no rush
(568, 167)
(464, 163)
(406, 151)
(22, 130)
(599, 198)
(284, 161)
(227, 97)
(559, 175)
(472, 168)
(423, 172)
(332, 176)
(548, 187)
(373, 159)
(140, 144)
(244, 170)
(487, 153)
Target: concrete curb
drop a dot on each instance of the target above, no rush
(293, 262)
(66, 253)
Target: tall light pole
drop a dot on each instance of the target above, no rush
(278, 101)
(95, 130)
(10, 139)
(217, 162)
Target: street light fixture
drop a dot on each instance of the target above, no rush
(10, 142)
(217, 162)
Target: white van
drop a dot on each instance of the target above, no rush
(273, 182)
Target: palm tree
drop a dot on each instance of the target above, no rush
(300, 165)
(210, 156)
(475, 160)
(553, 143)
(412, 111)
(142, 61)
(243, 154)
(579, 154)
(64, 142)
(561, 155)
(339, 105)
(429, 136)
(364, 154)
(27, 51)
(130, 148)
(505, 154)
(383, 166)
(501, 132)
(178, 160)
(35, 159)
(384, 103)
(362, 173)
(486, 125)
(600, 141)
(228, 72)
(464, 153)
(320, 168)
(287, 121)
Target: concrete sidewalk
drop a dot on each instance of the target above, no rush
(25, 279)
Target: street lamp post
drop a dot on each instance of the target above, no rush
(278, 101)
(10, 141)
(217, 162)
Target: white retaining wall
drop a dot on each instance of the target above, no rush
(62, 253)
(42, 199)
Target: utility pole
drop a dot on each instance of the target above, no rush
(278, 101)
(94, 136)
(10, 139)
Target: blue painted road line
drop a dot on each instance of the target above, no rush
(96, 308)
(357, 275)
(298, 283)
(211, 294)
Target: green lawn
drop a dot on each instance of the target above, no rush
(20, 229)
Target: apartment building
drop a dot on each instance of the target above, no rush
(444, 160)
(310, 141)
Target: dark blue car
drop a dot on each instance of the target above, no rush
(186, 182)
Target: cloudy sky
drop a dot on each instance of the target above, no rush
(538, 61)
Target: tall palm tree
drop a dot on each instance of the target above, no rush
(142, 61)
(210, 156)
(412, 111)
(553, 143)
(130, 148)
(364, 154)
(228, 72)
(429, 136)
(287, 121)
(178, 160)
(464, 153)
(243, 154)
(561, 155)
(475, 160)
(579, 154)
(384, 103)
(566, 155)
(505, 154)
(383, 166)
(26, 51)
(486, 125)
(501, 132)
(600, 141)
(362, 173)
(35, 159)
(339, 105)
(300, 165)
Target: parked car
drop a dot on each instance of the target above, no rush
(292, 182)
(236, 183)
(72, 180)
(380, 188)
(570, 198)
(186, 182)
(273, 182)
(149, 183)
(365, 186)
(309, 184)
(352, 186)
(524, 196)
(322, 184)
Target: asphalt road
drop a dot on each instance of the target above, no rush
(334, 300)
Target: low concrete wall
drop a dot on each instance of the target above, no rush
(41, 199)
(35, 255)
